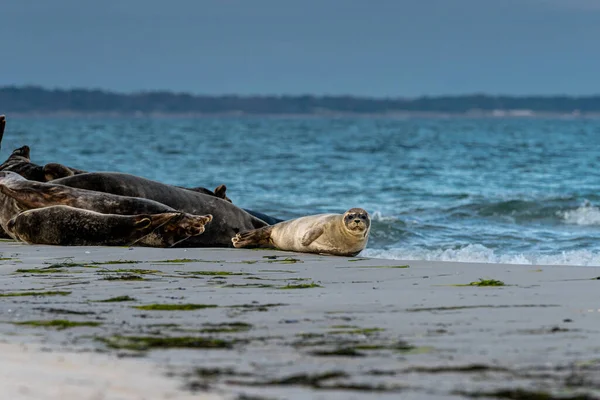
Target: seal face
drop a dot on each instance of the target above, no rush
(337, 234)
(69, 226)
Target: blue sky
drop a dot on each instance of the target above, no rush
(368, 48)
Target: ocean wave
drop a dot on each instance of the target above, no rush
(584, 215)
(481, 254)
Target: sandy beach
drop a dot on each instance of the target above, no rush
(139, 323)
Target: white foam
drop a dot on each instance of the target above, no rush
(481, 254)
(378, 216)
(584, 215)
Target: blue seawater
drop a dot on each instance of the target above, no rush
(486, 190)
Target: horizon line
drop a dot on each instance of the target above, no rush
(272, 95)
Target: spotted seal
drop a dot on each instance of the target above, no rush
(69, 226)
(228, 218)
(337, 234)
(18, 194)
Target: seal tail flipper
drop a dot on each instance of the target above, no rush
(255, 238)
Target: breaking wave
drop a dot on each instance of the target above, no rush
(480, 254)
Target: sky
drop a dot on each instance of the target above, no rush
(375, 48)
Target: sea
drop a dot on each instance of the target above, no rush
(493, 190)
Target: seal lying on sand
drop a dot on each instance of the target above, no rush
(22, 194)
(338, 234)
(68, 226)
(183, 199)
(20, 162)
(228, 219)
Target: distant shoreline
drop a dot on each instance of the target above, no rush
(396, 115)
(34, 100)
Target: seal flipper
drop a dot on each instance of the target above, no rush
(255, 238)
(2, 126)
(55, 171)
(312, 235)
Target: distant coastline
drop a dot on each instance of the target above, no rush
(38, 101)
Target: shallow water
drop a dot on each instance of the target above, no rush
(489, 190)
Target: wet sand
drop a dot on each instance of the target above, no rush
(188, 323)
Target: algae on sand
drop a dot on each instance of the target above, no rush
(59, 324)
(49, 293)
(141, 343)
(175, 307)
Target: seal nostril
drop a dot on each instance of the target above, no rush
(357, 220)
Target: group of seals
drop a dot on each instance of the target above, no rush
(60, 205)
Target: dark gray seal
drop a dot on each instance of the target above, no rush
(228, 219)
(19, 194)
(69, 226)
(235, 219)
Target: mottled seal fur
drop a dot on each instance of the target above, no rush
(337, 234)
(21, 194)
(228, 218)
(69, 226)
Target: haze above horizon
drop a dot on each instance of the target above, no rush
(401, 48)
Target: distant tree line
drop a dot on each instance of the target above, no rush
(26, 99)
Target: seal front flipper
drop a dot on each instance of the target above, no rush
(312, 235)
(255, 238)
(54, 171)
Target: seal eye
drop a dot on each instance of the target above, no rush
(350, 216)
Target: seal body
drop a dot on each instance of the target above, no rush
(68, 226)
(337, 234)
(21, 194)
(228, 218)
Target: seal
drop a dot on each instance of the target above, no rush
(336, 234)
(20, 162)
(2, 126)
(69, 226)
(228, 218)
(21, 194)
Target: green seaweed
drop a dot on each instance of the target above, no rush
(339, 352)
(278, 270)
(187, 260)
(142, 343)
(115, 262)
(359, 331)
(249, 285)
(357, 259)
(64, 311)
(300, 286)
(59, 324)
(455, 308)
(125, 277)
(487, 282)
(213, 273)
(175, 307)
(47, 270)
(227, 327)
(131, 271)
(116, 299)
(49, 293)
